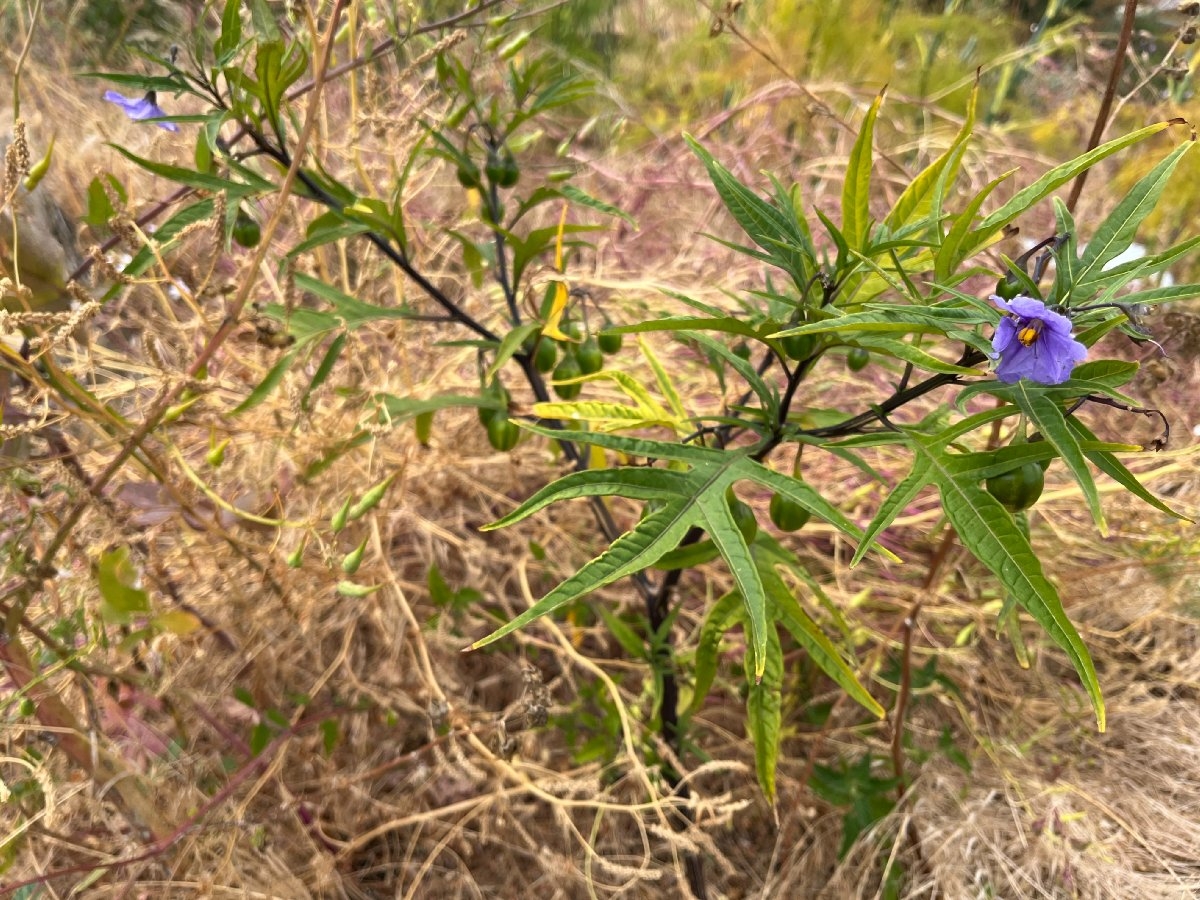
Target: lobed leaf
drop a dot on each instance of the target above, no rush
(989, 532)
(637, 549)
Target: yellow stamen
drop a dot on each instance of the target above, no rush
(1030, 332)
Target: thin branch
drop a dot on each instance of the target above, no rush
(1102, 114)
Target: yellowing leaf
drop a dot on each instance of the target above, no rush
(178, 622)
(561, 296)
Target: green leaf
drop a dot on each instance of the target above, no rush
(1116, 232)
(160, 83)
(718, 521)
(633, 551)
(99, 206)
(955, 247)
(325, 229)
(394, 409)
(634, 482)
(270, 381)
(906, 319)
(575, 195)
(631, 642)
(803, 493)
(1141, 268)
(1152, 296)
(725, 324)
(1050, 182)
(230, 38)
(348, 312)
(1111, 372)
(688, 556)
(767, 395)
(1050, 421)
(856, 189)
(191, 178)
(764, 706)
(512, 342)
(277, 68)
(809, 636)
(989, 532)
(722, 616)
(766, 225)
(692, 499)
(909, 352)
(117, 581)
(324, 369)
(896, 501)
(1116, 470)
(166, 233)
(263, 19)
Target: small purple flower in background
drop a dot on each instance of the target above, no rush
(138, 109)
(1033, 342)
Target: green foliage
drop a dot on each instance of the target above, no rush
(884, 285)
(873, 261)
(456, 602)
(868, 797)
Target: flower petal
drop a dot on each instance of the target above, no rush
(1048, 356)
(140, 108)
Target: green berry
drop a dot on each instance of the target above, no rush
(502, 169)
(545, 356)
(590, 357)
(1019, 488)
(798, 346)
(1007, 288)
(787, 514)
(503, 434)
(488, 414)
(468, 175)
(609, 342)
(246, 232)
(1044, 463)
(568, 368)
(857, 358)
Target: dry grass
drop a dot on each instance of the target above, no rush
(439, 780)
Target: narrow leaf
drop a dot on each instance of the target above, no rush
(634, 482)
(1117, 471)
(1051, 181)
(856, 190)
(724, 614)
(806, 632)
(1048, 417)
(764, 712)
(655, 535)
(1116, 232)
(990, 533)
(723, 529)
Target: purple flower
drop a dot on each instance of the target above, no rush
(138, 109)
(1033, 342)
